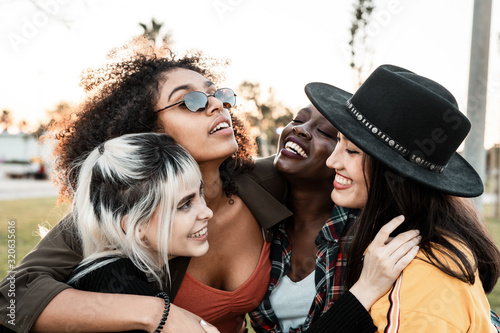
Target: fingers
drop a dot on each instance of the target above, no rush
(388, 240)
(208, 327)
(384, 232)
(409, 246)
(407, 240)
(399, 250)
(406, 259)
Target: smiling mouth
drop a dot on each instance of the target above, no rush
(295, 148)
(343, 180)
(219, 127)
(199, 233)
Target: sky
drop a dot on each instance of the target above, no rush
(282, 44)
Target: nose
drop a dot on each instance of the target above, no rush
(332, 161)
(301, 131)
(214, 104)
(205, 213)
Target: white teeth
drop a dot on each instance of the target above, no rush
(218, 127)
(342, 180)
(200, 233)
(295, 148)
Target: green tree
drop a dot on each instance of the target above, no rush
(359, 43)
(268, 115)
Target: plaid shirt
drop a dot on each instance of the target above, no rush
(329, 265)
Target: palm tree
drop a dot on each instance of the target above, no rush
(154, 35)
(5, 120)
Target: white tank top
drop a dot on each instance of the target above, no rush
(291, 301)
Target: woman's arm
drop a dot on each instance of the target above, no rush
(347, 315)
(39, 276)
(76, 311)
(41, 295)
(384, 261)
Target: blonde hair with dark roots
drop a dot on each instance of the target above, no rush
(122, 184)
(121, 96)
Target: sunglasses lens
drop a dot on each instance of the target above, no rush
(227, 97)
(196, 101)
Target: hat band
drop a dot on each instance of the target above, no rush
(390, 142)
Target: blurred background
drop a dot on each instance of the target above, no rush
(275, 48)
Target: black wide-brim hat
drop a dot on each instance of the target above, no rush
(408, 122)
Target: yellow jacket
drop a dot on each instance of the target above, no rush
(424, 299)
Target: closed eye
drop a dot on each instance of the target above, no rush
(326, 134)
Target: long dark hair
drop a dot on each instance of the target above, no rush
(450, 227)
(121, 96)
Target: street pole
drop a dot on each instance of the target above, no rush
(474, 150)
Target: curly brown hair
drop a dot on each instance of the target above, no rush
(121, 96)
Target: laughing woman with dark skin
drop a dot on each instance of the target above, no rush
(306, 273)
(143, 91)
(307, 292)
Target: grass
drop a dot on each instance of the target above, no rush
(28, 214)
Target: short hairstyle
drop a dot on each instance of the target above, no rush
(128, 179)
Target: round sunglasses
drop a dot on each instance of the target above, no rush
(196, 101)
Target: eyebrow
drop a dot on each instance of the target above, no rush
(189, 87)
(345, 138)
(186, 198)
(306, 109)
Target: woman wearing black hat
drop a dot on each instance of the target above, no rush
(396, 154)
(305, 275)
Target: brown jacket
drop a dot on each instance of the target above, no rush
(41, 274)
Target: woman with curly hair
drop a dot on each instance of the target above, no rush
(146, 92)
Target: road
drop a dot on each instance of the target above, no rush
(12, 189)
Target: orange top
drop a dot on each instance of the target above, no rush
(226, 309)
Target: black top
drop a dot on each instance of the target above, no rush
(118, 277)
(347, 315)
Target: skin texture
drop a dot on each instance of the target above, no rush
(317, 137)
(385, 258)
(234, 248)
(91, 311)
(192, 216)
(350, 183)
(192, 129)
(311, 183)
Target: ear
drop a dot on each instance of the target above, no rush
(125, 227)
(123, 224)
(142, 233)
